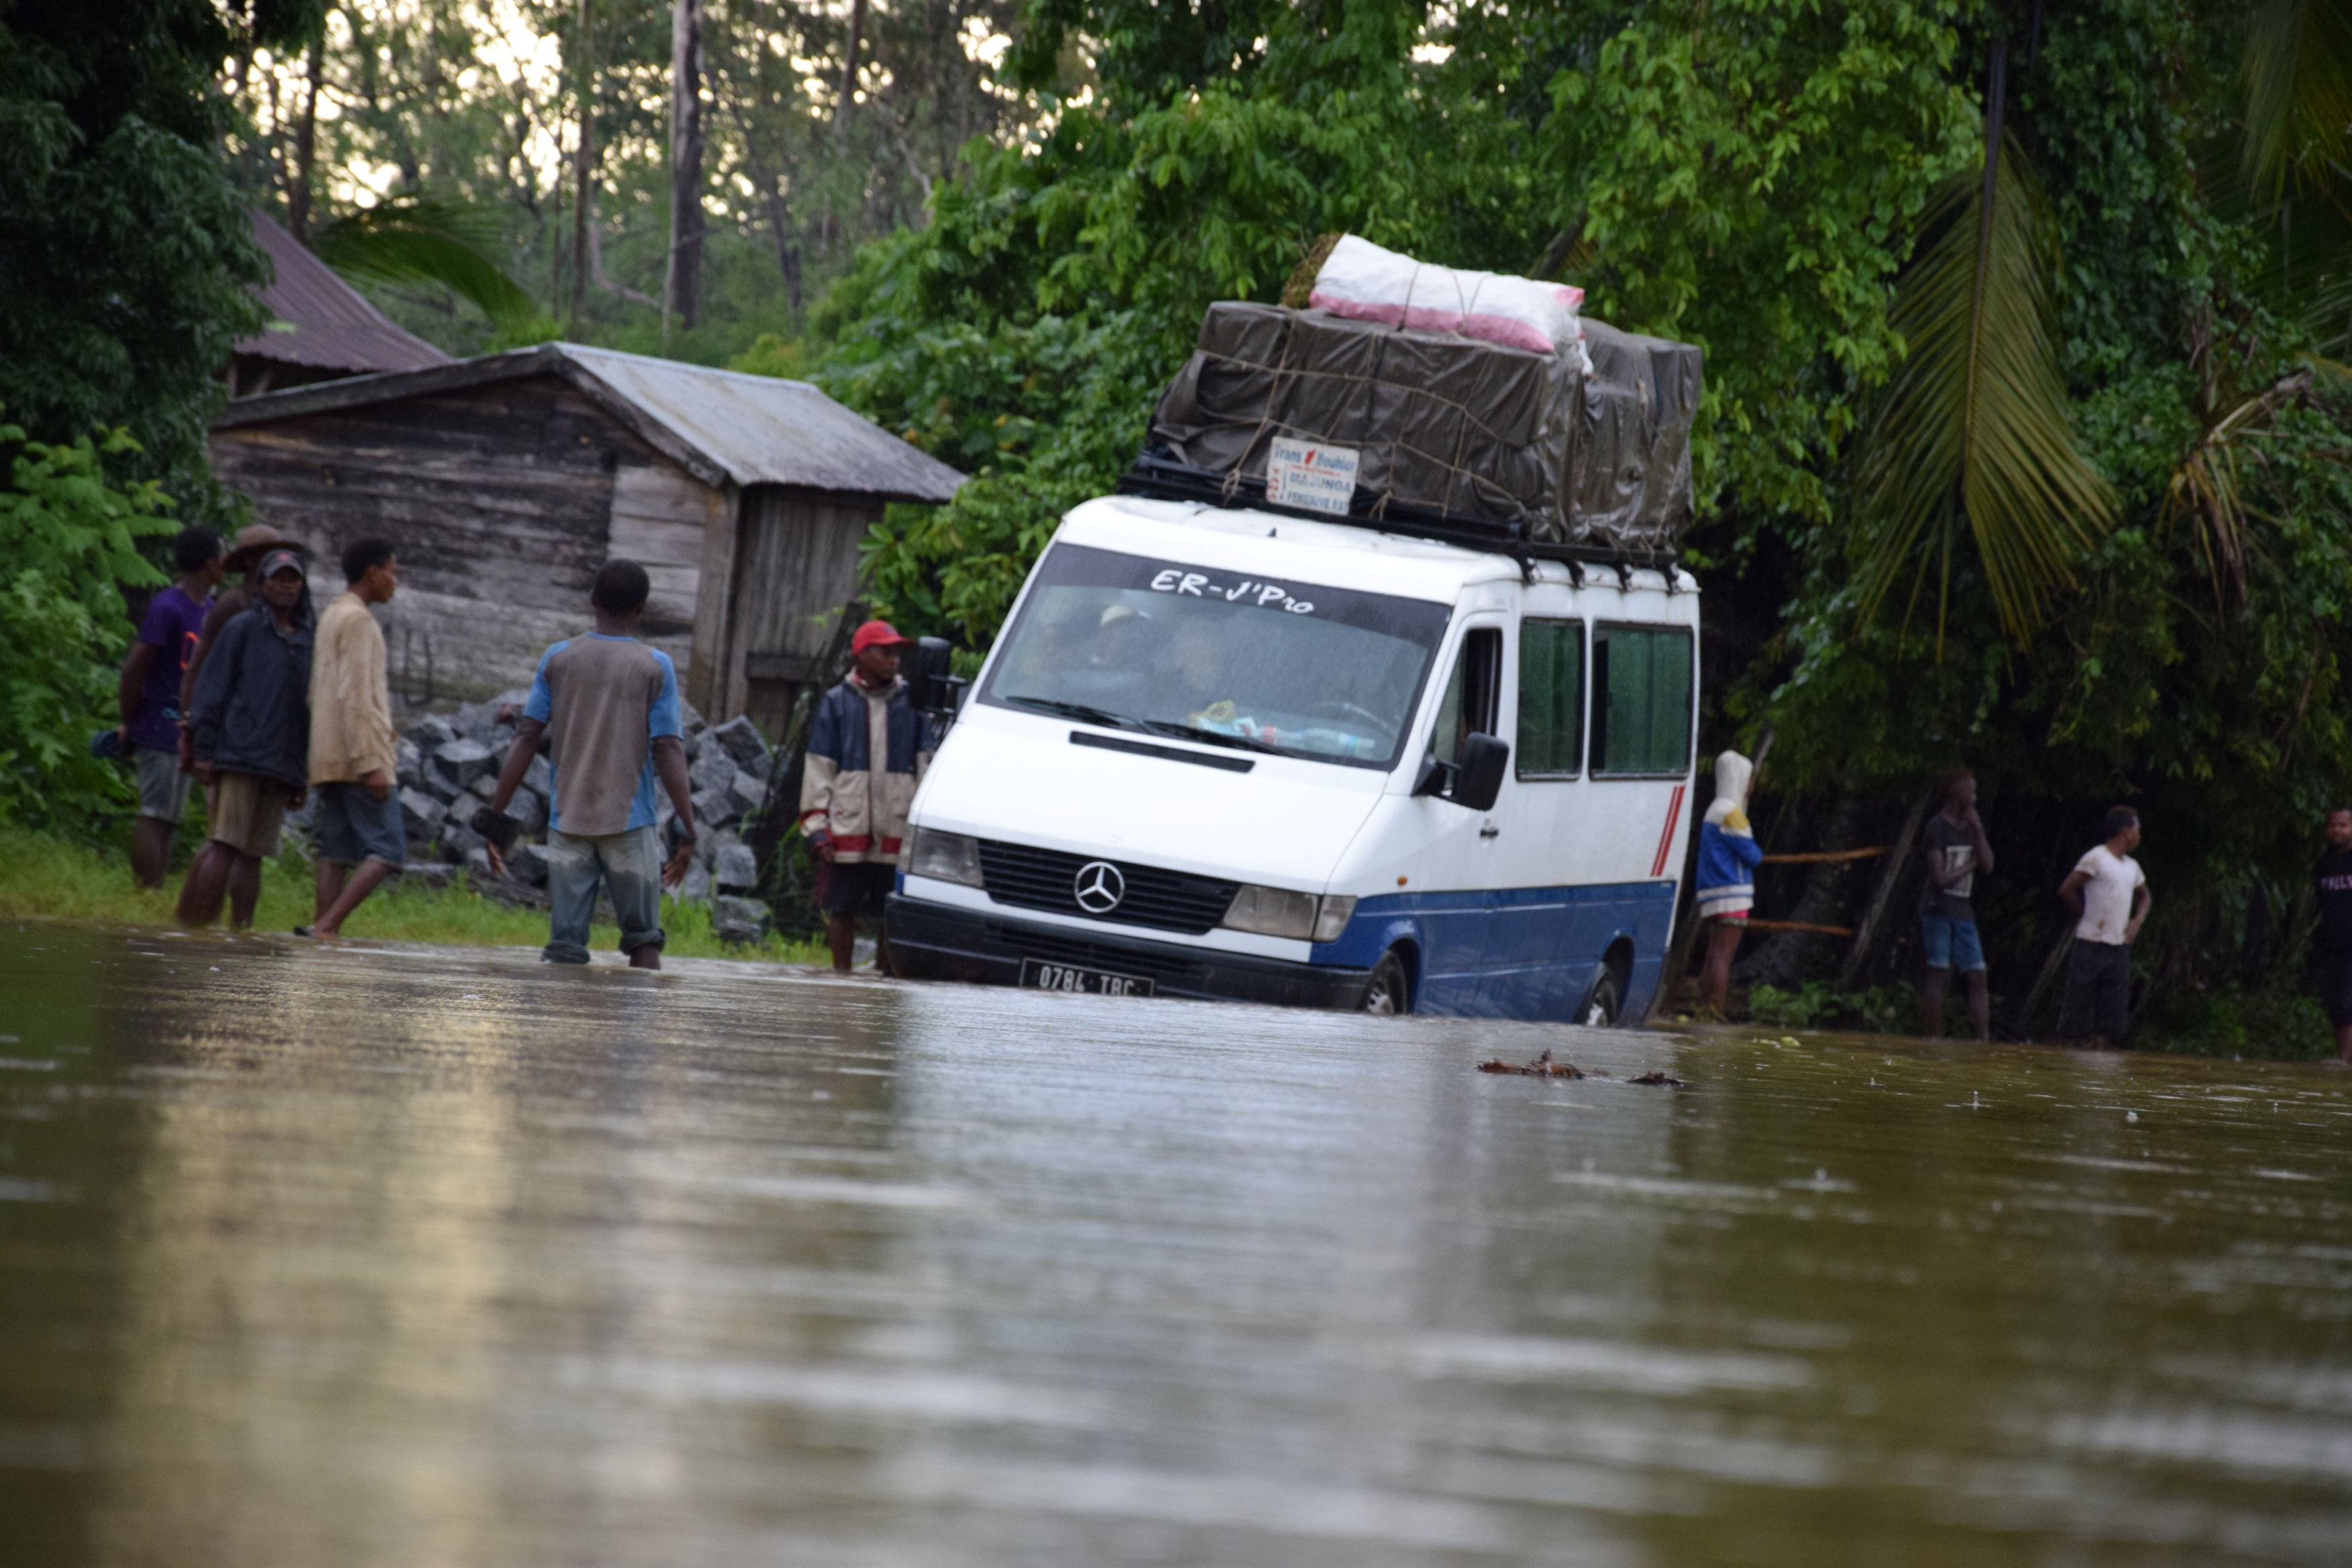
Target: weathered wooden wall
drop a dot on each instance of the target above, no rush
(793, 565)
(503, 500)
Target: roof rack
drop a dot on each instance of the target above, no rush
(1161, 478)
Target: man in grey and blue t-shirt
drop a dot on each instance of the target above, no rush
(608, 705)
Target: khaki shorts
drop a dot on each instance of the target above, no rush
(245, 811)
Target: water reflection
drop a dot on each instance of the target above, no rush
(390, 1257)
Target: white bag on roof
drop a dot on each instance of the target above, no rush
(1365, 283)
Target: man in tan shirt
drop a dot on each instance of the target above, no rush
(354, 754)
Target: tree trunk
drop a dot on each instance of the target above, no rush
(1875, 923)
(583, 163)
(788, 247)
(2053, 966)
(306, 143)
(850, 59)
(681, 293)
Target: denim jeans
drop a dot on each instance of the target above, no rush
(1951, 943)
(628, 865)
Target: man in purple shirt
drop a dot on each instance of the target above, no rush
(149, 698)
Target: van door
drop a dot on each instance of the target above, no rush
(1461, 856)
(1638, 758)
(1546, 940)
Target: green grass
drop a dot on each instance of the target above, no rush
(47, 878)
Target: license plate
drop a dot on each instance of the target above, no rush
(1038, 975)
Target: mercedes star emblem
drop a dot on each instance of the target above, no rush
(1099, 887)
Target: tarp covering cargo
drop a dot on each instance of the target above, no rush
(1452, 433)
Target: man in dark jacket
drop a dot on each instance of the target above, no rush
(251, 729)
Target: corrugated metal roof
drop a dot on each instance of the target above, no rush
(721, 425)
(320, 321)
(762, 429)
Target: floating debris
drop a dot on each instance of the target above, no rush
(1541, 1067)
(1545, 1066)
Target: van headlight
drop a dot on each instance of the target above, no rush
(1279, 912)
(945, 857)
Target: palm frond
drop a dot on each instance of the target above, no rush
(2298, 75)
(2306, 267)
(417, 239)
(1975, 426)
(2206, 489)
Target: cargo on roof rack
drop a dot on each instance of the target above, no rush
(1582, 451)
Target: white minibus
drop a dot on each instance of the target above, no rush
(1220, 752)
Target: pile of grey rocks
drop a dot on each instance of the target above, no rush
(449, 766)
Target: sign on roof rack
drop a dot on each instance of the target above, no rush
(1311, 474)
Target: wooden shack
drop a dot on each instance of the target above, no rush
(506, 481)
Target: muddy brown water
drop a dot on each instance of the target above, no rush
(435, 1256)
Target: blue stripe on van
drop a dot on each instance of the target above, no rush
(1517, 953)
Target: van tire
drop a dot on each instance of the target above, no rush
(1600, 1006)
(1389, 991)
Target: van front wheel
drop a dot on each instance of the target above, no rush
(1600, 1006)
(1388, 992)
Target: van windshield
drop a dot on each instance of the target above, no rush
(1166, 647)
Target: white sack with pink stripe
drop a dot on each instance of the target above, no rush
(1365, 283)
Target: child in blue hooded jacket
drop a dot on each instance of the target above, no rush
(1728, 857)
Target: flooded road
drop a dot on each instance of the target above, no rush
(434, 1257)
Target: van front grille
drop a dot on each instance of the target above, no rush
(1030, 878)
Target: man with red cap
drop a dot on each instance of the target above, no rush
(868, 747)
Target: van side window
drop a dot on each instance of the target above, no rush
(1469, 704)
(1552, 699)
(1640, 700)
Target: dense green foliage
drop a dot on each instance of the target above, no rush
(126, 265)
(1742, 187)
(67, 536)
(125, 255)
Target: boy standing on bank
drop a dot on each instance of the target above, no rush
(149, 696)
(608, 705)
(2108, 894)
(1957, 849)
(251, 729)
(354, 752)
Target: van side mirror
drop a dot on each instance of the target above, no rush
(1478, 777)
(1475, 782)
(929, 685)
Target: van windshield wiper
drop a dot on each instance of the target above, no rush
(1081, 711)
(1214, 737)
